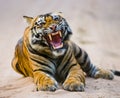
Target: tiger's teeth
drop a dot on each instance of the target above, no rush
(60, 33)
(50, 37)
(54, 33)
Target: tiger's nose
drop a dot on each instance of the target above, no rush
(53, 27)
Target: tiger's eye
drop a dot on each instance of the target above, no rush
(43, 23)
(56, 18)
(37, 35)
(36, 23)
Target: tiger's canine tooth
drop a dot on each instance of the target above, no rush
(50, 36)
(60, 33)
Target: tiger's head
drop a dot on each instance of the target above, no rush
(49, 30)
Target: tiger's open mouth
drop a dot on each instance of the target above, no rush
(55, 40)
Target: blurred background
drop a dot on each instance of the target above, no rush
(95, 25)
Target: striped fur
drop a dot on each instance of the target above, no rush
(57, 61)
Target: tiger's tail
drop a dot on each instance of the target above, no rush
(115, 72)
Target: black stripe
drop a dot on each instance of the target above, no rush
(79, 54)
(26, 72)
(32, 50)
(53, 62)
(87, 67)
(65, 65)
(46, 71)
(38, 53)
(116, 72)
(62, 57)
(68, 69)
(84, 59)
(93, 70)
(18, 68)
(41, 63)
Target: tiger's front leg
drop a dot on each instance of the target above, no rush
(44, 81)
(75, 80)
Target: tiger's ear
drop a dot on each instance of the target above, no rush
(28, 19)
(59, 13)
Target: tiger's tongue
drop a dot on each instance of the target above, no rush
(55, 40)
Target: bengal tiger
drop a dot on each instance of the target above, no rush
(46, 54)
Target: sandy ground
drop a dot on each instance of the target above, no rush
(96, 28)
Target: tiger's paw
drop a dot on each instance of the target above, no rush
(47, 84)
(105, 74)
(72, 85)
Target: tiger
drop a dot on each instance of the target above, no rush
(46, 53)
